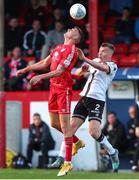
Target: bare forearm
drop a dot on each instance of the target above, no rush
(37, 79)
(35, 67)
(50, 74)
(40, 65)
(92, 63)
(97, 65)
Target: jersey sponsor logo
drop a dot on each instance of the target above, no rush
(63, 49)
(56, 53)
(56, 56)
(68, 60)
(94, 111)
(67, 63)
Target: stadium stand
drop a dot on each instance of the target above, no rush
(48, 13)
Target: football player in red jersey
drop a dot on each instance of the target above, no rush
(61, 60)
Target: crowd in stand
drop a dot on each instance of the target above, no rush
(34, 27)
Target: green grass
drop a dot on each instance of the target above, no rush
(51, 174)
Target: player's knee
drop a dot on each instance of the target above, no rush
(64, 129)
(67, 131)
(55, 125)
(74, 127)
(93, 132)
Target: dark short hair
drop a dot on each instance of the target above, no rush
(81, 33)
(112, 112)
(109, 45)
(37, 114)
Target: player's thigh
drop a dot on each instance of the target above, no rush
(52, 101)
(54, 120)
(80, 110)
(95, 109)
(64, 97)
(79, 115)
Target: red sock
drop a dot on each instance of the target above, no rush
(68, 144)
(75, 139)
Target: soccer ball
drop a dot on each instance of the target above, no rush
(77, 11)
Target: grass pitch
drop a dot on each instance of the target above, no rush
(52, 174)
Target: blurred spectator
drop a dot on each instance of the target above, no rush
(11, 8)
(136, 29)
(54, 37)
(13, 83)
(131, 128)
(115, 131)
(13, 35)
(135, 166)
(34, 39)
(85, 44)
(124, 28)
(65, 5)
(118, 6)
(34, 11)
(40, 139)
(58, 16)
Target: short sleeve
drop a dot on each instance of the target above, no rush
(112, 67)
(68, 57)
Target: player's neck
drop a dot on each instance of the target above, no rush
(105, 60)
(68, 42)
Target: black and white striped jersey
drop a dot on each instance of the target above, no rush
(98, 81)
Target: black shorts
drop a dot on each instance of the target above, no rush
(89, 107)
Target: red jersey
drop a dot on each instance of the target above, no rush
(64, 55)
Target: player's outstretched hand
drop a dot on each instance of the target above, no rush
(35, 80)
(20, 72)
(80, 54)
(85, 68)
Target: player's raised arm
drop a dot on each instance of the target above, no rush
(36, 79)
(101, 66)
(35, 67)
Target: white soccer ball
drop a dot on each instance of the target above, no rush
(77, 11)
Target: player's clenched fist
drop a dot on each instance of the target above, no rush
(20, 72)
(35, 80)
